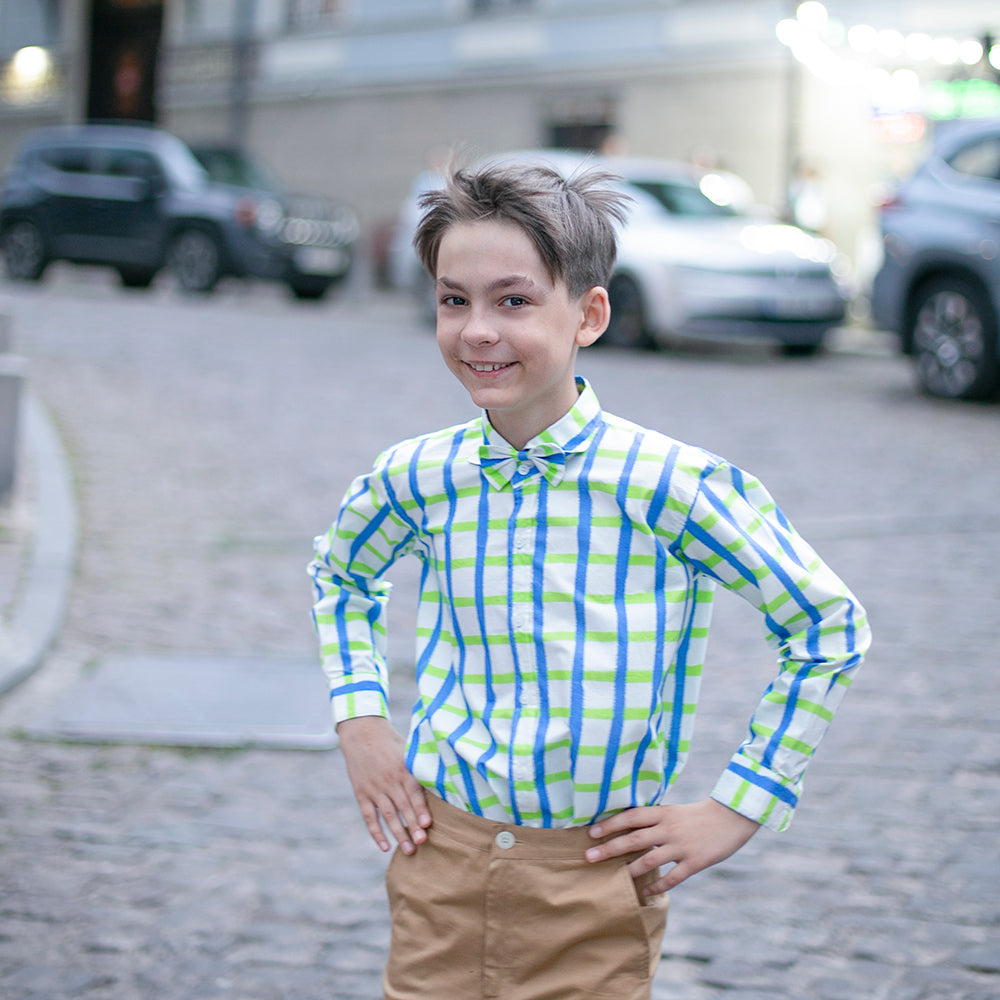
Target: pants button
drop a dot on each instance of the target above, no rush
(505, 840)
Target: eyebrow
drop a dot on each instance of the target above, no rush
(510, 281)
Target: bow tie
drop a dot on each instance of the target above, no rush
(502, 463)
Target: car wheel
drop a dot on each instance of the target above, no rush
(627, 327)
(309, 289)
(24, 252)
(954, 338)
(807, 350)
(195, 260)
(136, 277)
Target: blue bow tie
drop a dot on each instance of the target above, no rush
(502, 463)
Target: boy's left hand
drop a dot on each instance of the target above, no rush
(692, 836)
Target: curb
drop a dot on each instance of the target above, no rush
(39, 612)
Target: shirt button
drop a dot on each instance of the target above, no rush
(505, 840)
(524, 468)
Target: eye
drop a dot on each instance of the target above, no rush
(515, 301)
(452, 300)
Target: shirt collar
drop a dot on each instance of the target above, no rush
(546, 453)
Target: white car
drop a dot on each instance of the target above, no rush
(693, 265)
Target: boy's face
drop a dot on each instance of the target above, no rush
(507, 331)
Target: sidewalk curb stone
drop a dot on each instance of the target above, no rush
(48, 568)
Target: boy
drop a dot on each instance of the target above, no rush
(570, 559)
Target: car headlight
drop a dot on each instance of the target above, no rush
(269, 216)
(772, 239)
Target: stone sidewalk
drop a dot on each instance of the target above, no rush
(131, 872)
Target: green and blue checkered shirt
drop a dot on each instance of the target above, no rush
(564, 611)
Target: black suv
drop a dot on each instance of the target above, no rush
(137, 199)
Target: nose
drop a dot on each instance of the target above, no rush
(478, 330)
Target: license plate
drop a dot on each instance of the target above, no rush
(796, 307)
(320, 260)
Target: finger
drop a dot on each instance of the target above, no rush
(628, 843)
(628, 819)
(390, 816)
(371, 817)
(409, 806)
(650, 861)
(418, 802)
(670, 880)
(409, 824)
(657, 888)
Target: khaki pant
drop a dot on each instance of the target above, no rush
(487, 909)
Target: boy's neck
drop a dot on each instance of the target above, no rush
(518, 433)
(517, 438)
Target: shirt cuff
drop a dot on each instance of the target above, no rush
(758, 793)
(351, 701)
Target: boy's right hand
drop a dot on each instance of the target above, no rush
(386, 791)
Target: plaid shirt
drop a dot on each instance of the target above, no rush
(564, 612)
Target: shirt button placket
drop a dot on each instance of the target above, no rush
(523, 621)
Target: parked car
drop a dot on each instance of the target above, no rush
(403, 269)
(136, 199)
(693, 265)
(938, 287)
(319, 233)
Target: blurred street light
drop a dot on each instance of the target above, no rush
(29, 76)
(883, 59)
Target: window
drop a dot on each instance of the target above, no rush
(579, 135)
(131, 163)
(979, 159)
(582, 121)
(680, 199)
(68, 160)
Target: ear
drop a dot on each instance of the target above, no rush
(595, 308)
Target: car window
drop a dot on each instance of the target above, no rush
(979, 159)
(679, 198)
(67, 159)
(180, 164)
(129, 163)
(228, 166)
(641, 205)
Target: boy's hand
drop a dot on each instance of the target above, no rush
(693, 836)
(386, 791)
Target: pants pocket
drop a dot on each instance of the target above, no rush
(570, 930)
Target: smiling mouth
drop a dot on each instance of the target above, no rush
(492, 367)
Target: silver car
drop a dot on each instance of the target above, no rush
(691, 264)
(938, 287)
(694, 262)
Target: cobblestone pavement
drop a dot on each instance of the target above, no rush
(210, 440)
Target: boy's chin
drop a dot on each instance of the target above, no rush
(481, 399)
(482, 395)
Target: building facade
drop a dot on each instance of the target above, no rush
(353, 97)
